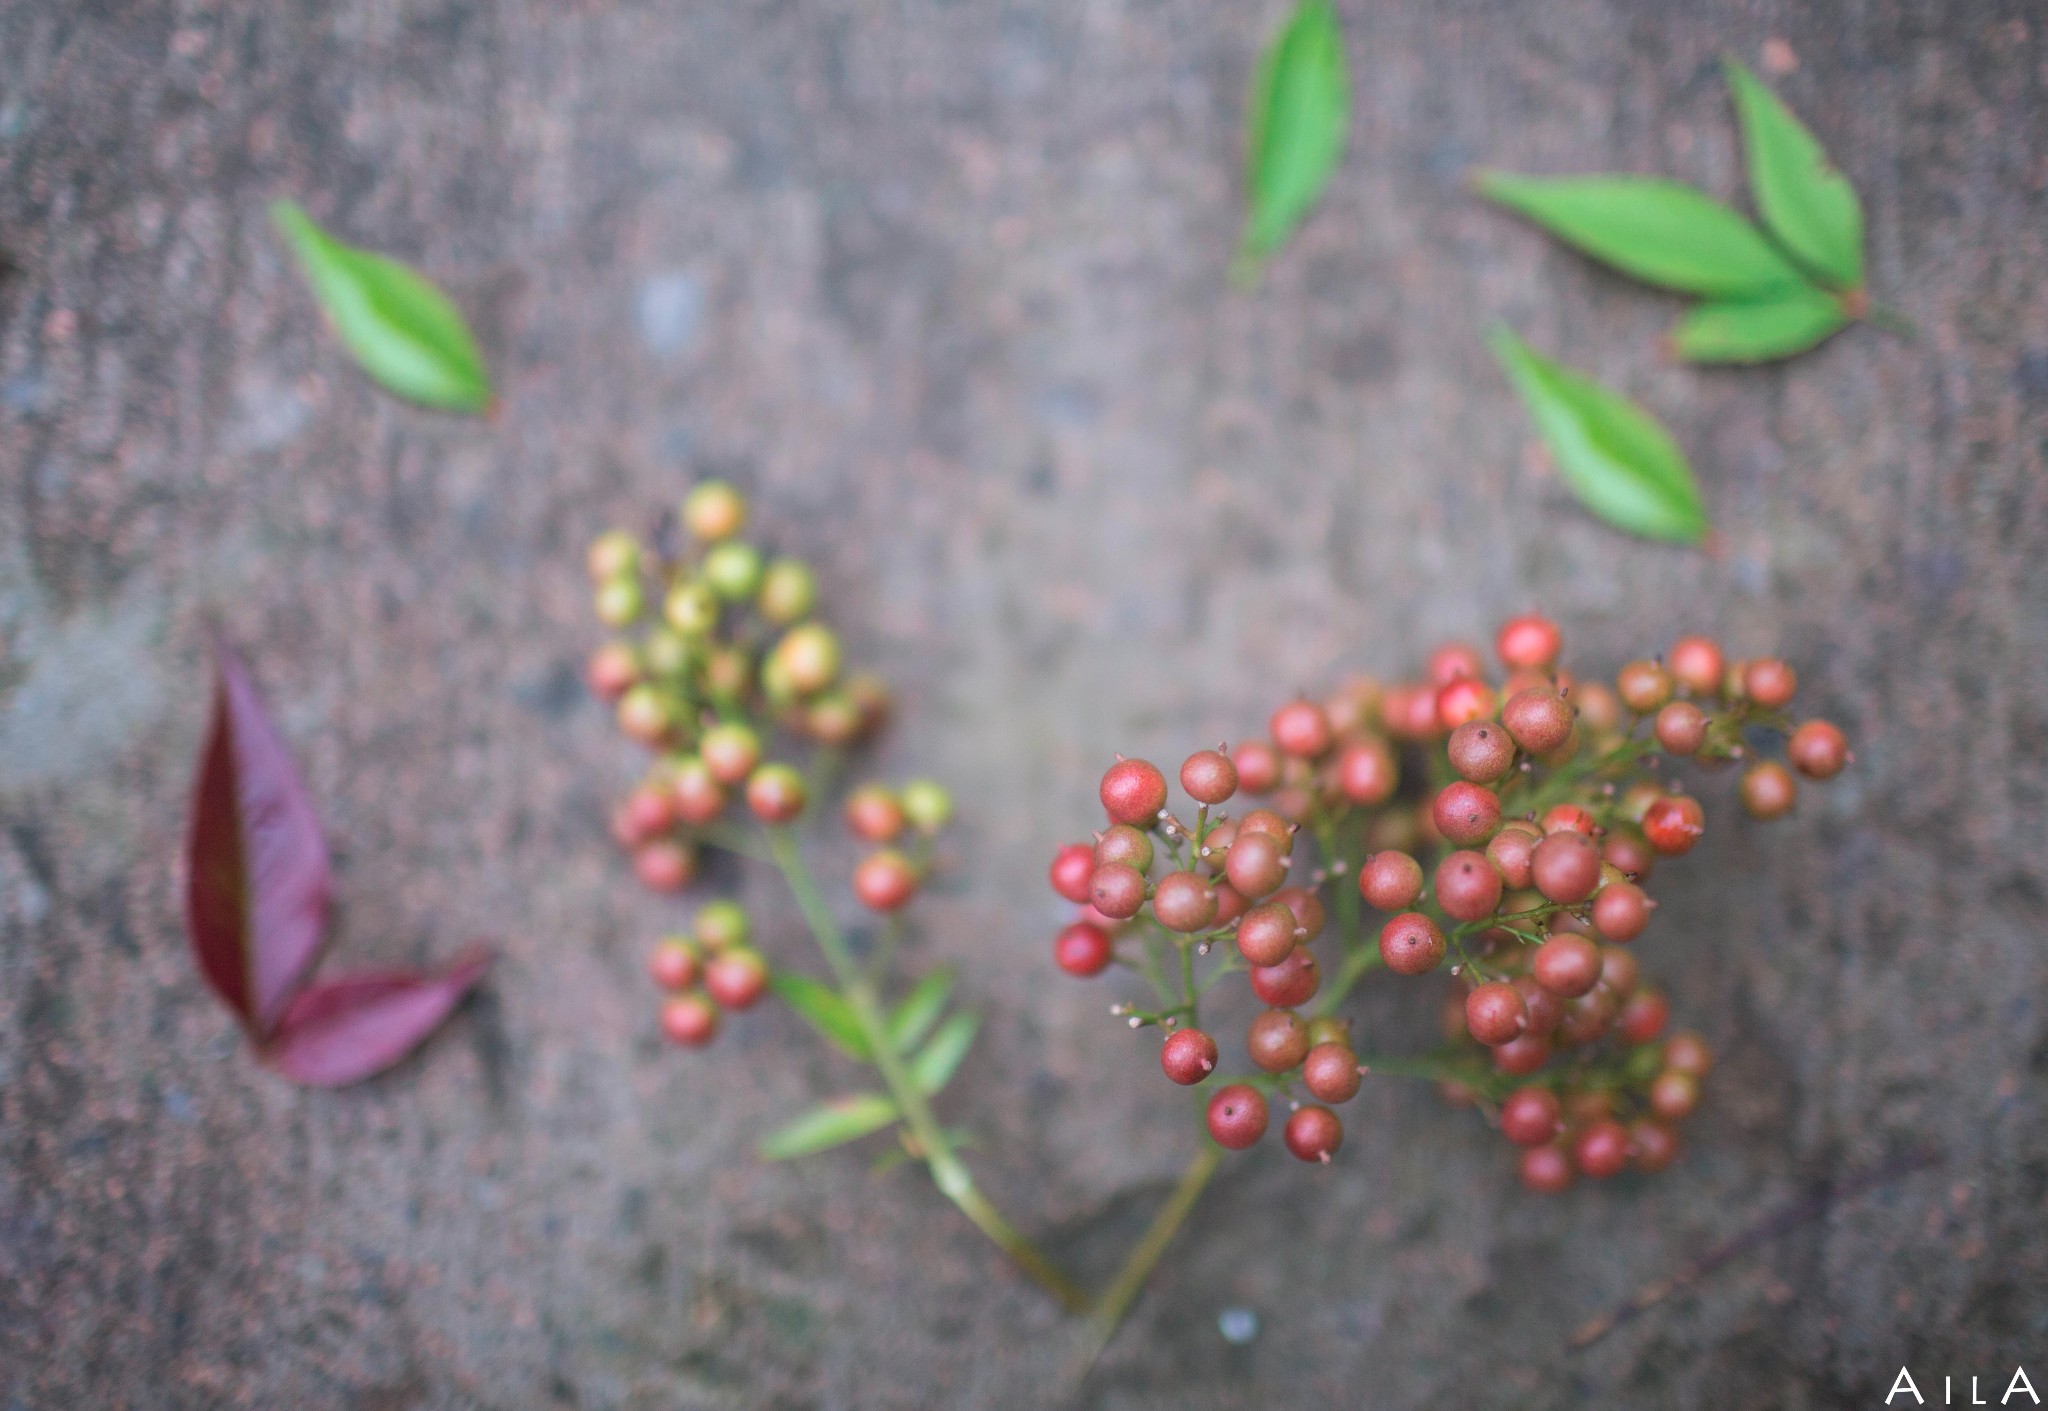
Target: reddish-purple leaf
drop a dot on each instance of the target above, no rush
(350, 1029)
(256, 864)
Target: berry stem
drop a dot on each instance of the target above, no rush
(948, 1173)
(1108, 1314)
(1356, 966)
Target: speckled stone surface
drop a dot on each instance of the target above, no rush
(943, 283)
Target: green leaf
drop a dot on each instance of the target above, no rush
(1807, 204)
(920, 1010)
(1619, 461)
(403, 331)
(821, 1007)
(1663, 232)
(829, 1124)
(1295, 118)
(1756, 332)
(933, 1067)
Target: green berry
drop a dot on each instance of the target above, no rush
(927, 805)
(721, 924)
(619, 602)
(692, 609)
(734, 570)
(714, 511)
(789, 591)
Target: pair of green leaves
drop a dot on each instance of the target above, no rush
(1765, 293)
(1295, 119)
(404, 332)
(932, 1055)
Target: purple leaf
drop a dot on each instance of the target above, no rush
(350, 1029)
(256, 864)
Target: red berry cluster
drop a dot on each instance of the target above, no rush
(707, 972)
(887, 878)
(1507, 825)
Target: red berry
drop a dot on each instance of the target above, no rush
(1454, 660)
(665, 865)
(1569, 818)
(1117, 890)
(1301, 729)
(1586, 1018)
(1567, 965)
(1674, 1095)
(1184, 902)
(1522, 1055)
(775, 793)
(1265, 820)
(1411, 944)
(1237, 1116)
(1643, 686)
(673, 964)
(699, 796)
(1538, 719)
(1367, 772)
(1543, 1008)
(1770, 683)
(1208, 776)
(1265, 935)
(1292, 981)
(1619, 970)
(612, 670)
(1314, 1133)
(1188, 1057)
(1133, 791)
(1258, 766)
(1681, 728)
(1511, 850)
(730, 751)
(1686, 1052)
(1673, 824)
(1307, 908)
(1528, 642)
(1566, 867)
(1409, 712)
(1601, 1150)
(1546, 1170)
(689, 1019)
(736, 977)
(1230, 904)
(1818, 750)
(649, 810)
(1627, 848)
(1082, 950)
(1463, 700)
(1120, 842)
(1530, 1116)
(874, 815)
(1768, 790)
(884, 881)
(1277, 1040)
(1256, 863)
(1390, 881)
(1467, 886)
(1481, 750)
(1697, 663)
(1072, 871)
(1330, 1071)
(1621, 911)
(1643, 1017)
(1494, 1013)
(1652, 1145)
(1465, 813)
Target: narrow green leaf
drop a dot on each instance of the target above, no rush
(1295, 119)
(829, 1124)
(1618, 460)
(403, 331)
(821, 1007)
(920, 1010)
(1756, 332)
(1663, 232)
(1807, 204)
(933, 1066)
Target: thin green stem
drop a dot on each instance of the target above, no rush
(1356, 966)
(948, 1173)
(1116, 1300)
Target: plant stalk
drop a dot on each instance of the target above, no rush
(1108, 1314)
(949, 1174)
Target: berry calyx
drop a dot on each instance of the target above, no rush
(1072, 873)
(1133, 791)
(884, 881)
(1314, 1133)
(736, 977)
(1411, 944)
(1330, 1070)
(1818, 750)
(1237, 1116)
(1188, 1056)
(1082, 950)
(1277, 1040)
(1673, 824)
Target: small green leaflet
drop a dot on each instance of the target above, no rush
(1809, 206)
(920, 1010)
(821, 1007)
(1295, 118)
(1753, 332)
(829, 1124)
(933, 1066)
(403, 331)
(1619, 461)
(1662, 232)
